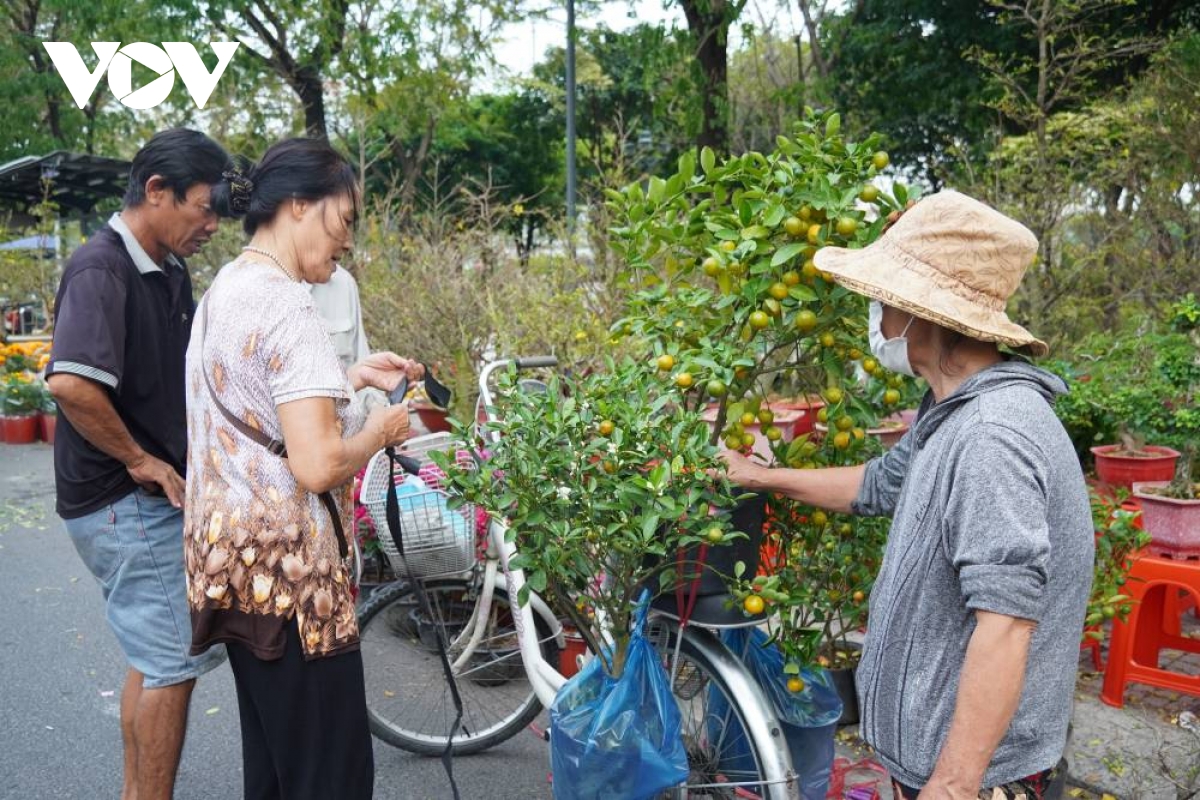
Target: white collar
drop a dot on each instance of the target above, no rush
(141, 259)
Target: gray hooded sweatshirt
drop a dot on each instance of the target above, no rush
(990, 512)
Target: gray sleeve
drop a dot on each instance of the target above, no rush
(881, 485)
(997, 534)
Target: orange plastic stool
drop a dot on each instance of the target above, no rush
(1153, 624)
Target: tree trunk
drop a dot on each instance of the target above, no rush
(709, 26)
(307, 84)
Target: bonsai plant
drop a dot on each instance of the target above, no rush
(734, 310)
(605, 475)
(1130, 388)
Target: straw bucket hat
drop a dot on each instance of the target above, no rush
(949, 259)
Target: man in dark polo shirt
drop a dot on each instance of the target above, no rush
(123, 317)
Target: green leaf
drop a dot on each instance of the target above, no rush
(803, 293)
(774, 216)
(708, 160)
(900, 193)
(739, 569)
(833, 125)
(658, 189)
(649, 526)
(537, 580)
(687, 165)
(786, 253)
(756, 232)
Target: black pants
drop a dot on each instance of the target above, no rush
(304, 725)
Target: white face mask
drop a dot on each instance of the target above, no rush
(892, 353)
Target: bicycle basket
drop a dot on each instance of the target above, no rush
(438, 540)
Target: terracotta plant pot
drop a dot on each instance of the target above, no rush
(575, 649)
(785, 420)
(48, 423)
(890, 431)
(433, 418)
(1125, 470)
(20, 430)
(809, 406)
(1173, 525)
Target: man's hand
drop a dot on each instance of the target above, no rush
(155, 476)
(384, 371)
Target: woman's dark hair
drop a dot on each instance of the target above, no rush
(294, 169)
(182, 158)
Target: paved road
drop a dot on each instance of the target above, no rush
(62, 672)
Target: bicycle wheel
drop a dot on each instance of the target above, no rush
(734, 745)
(408, 700)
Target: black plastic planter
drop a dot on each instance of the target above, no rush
(706, 578)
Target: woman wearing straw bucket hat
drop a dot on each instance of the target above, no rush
(968, 667)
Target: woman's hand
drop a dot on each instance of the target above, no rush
(740, 470)
(391, 422)
(384, 371)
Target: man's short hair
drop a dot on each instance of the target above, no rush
(182, 158)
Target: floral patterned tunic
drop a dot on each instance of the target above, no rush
(260, 550)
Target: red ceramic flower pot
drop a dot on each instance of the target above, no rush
(1124, 470)
(20, 430)
(48, 423)
(805, 422)
(1173, 525)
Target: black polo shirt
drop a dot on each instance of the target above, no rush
(127, 329)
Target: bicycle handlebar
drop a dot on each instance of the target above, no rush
(534, 362)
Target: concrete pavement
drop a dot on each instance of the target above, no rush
(61, 674)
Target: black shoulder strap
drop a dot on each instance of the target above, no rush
(274, 446)
(418, 586)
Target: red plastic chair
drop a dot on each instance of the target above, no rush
(1155, 584)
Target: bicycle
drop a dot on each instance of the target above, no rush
(506, 661)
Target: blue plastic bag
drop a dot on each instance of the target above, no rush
(617, 738)
(808, 717)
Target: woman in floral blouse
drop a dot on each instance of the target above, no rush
(275, 438)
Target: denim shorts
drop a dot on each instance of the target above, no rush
(134, 548)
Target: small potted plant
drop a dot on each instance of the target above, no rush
(1124, 392)
(1171, 509)
(603, 475)
(22, 397)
